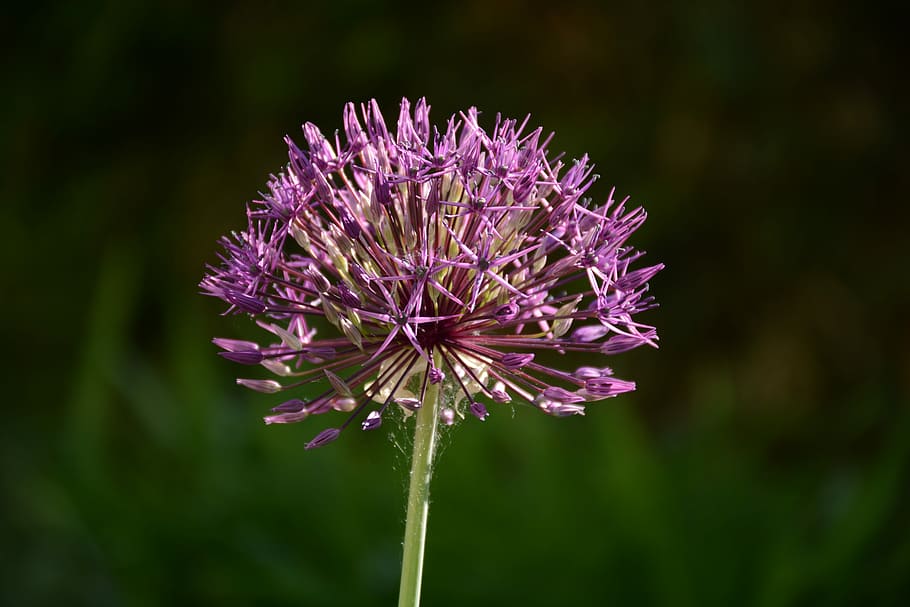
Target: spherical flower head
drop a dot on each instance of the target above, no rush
(427, 256)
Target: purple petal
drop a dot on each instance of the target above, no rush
(608, 386)
(234, 345)
(565, 409)
(295, 405)
(286, 418)
(561, 396)
(348, 297)
(621, 343)
(436, 375)
(589, 333)
(633, 280)
(506, 312)
(479, 411)
(246, 303)
(411, 404)
(515, 361)
(350, 225)
(323, 438)
(266, 386)
(248, 357)
(447, 416)
(587, 372)
(500, 395)
(373, 421)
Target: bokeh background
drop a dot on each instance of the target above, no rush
(763, 460)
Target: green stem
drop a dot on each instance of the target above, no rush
(415, 529)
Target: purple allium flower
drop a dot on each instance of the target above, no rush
(469, 250)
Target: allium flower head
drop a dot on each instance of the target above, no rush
(382, 261)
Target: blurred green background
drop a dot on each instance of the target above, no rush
(763, 460)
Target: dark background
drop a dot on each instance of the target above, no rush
(763, 460)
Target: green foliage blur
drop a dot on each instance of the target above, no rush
(764, 460)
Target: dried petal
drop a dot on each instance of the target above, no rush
(340, 386)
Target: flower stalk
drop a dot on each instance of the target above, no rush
(415, 530)
(429, 254)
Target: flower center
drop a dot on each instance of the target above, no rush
(432, 334)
